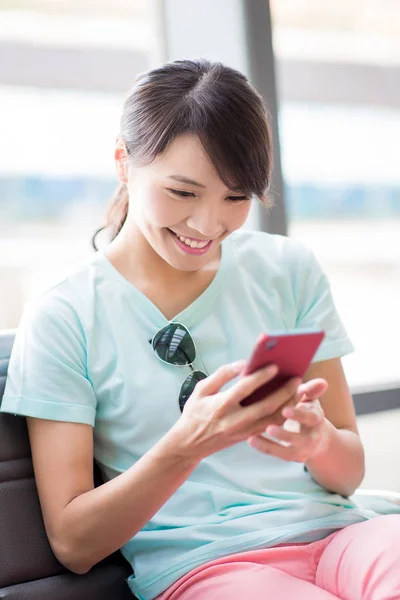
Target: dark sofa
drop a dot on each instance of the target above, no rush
(28, 568)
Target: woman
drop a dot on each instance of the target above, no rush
(201, 503)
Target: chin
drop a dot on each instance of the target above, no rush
(186, 264)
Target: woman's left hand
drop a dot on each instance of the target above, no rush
(313, 427)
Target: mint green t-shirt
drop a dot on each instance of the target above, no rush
(82, 355)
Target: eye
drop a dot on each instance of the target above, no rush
(237, 198)
(182, 193)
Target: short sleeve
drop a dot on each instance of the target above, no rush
(47, 375)
(316, 307)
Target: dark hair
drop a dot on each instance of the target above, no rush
(211, 100)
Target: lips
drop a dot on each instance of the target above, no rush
(192, 242)
(191, 249)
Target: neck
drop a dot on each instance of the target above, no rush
(169, 289)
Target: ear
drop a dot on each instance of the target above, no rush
(121, 160)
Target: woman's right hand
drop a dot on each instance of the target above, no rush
(213, 420)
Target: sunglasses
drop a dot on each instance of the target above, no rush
(174, 345)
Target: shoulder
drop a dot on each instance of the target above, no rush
(66, 304)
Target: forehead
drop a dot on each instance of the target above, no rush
(186, 156)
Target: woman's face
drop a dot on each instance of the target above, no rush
(182, 207)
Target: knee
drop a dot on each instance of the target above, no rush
(367, 559)
(375, 540)
(385, 534)
(378, 540)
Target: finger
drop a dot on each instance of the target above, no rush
(288, 437)
(291, 425)
(313, 389)
(272, 448)
(308, 414)
(296, 441)
(300, 396)
(271, 404)
(271, 417)
(249, 384)
(222, 376)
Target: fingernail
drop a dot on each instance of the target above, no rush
(273, 430)
(252, 442)
(292, 426)
(288, 412)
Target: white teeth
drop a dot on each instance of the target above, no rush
(192, 243)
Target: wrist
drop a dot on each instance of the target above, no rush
(176, 444)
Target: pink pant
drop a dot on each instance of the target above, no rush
(359, 562)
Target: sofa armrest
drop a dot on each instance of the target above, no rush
(381, 501)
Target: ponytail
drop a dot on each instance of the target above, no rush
(117, 212)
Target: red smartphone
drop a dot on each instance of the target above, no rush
(292, 352)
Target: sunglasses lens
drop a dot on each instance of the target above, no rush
(174, 345)
(188, 387)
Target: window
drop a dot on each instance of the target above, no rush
(61, 95)
(338, 76)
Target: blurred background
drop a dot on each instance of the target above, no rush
(334, 94)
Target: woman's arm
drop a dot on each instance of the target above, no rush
(340, 466)
(84, 524)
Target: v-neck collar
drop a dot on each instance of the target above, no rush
(194, 311)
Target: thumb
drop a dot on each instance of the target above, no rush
(222, 376)
(312, 389)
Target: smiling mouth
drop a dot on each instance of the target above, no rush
(191, 245)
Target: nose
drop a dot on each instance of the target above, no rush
(206, 220)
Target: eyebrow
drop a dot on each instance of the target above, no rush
(184, 179)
